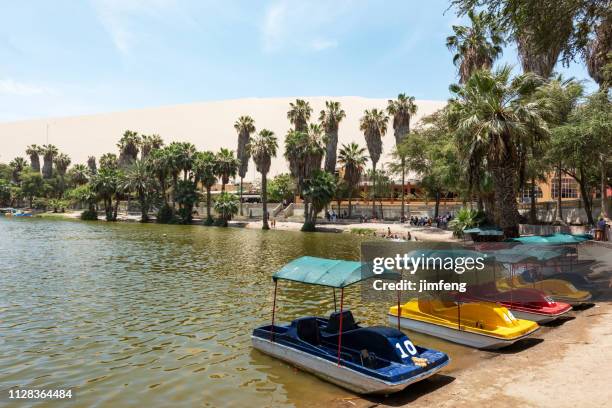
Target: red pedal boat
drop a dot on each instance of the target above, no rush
(525, 303)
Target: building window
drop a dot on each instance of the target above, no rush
(569, 188)
(526, 193)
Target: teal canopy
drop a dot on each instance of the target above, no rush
(491, 231)
(522, 253)
(321, 271)
(554, 239)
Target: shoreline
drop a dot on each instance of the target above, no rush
(565, 366)
(380, 228)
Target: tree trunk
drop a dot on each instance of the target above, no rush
(373, 190)
(209, 219)
(506, 214)
(264, 199)
(222, 187)
(559, 215)
(350, 200)
(533, 215)
(437, 207)
(144, 211)
(586, 199)
(241, 193)
(115, 209)
(604, 191)
(403, 218)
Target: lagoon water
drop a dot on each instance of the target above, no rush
(152, 315)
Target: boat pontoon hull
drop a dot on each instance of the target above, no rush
(334, 373)
(480, 341)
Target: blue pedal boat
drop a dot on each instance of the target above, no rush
(365, 360)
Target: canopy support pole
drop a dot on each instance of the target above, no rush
(399, 309)
(340, 334)
(335, 309)
(273, 310)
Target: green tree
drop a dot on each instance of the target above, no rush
(5, 192)
(138, 180)
(491, 116)
(245, 125)
(227, 166)
(319, 190)
(262, 148)
(402, 109)
(18, 164)
(129, 146)
(109, 161)
(61, 161)
(373, 124)
(49, 152)
(150, 143)
(206, 173)
(476, 47)
(226, 205)
(561, 98)
(330, 119)
(187, 198)
(32, 185)
(353, 159)
(299, 115)
(281, 187)
(34, 151)
(106, 184)
(79, 174)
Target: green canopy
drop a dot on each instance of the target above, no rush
(522, 253)
(490, 231)
(554, 239)
(321, 271)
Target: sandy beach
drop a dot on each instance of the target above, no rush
(564, 366)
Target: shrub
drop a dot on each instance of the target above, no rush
(89, 215)
(465, 218)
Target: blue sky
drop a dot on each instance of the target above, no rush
(64, 57)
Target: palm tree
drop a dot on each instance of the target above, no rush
(49, 152)
(353, 159)
(373, 124)
(91, 164)
(299, 114)
(226, 206)
(105, 184)
(245, 125)
(475, 47)
(79, 173)
(61, 161)
(109, 161)
(330, 119)
(227, 166)
(129, 146)
(206, 172)
(263, 147)
(139, 181)
(319, 190)
(491, 116)
(150, 143)
(185, 153)
(402, 109)
(34, 152)
(17, 165)
(158, 165)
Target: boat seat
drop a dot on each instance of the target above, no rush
(308, 330)
(348, 322)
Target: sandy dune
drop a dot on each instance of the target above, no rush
(209, 125)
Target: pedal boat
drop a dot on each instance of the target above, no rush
(559, 290)
(524, 303)
(483, 325)
(365, 360)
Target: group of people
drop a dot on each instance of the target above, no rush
(441, 221)
(331, 216)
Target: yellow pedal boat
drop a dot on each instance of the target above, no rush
(558, 289)
(484, 325)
